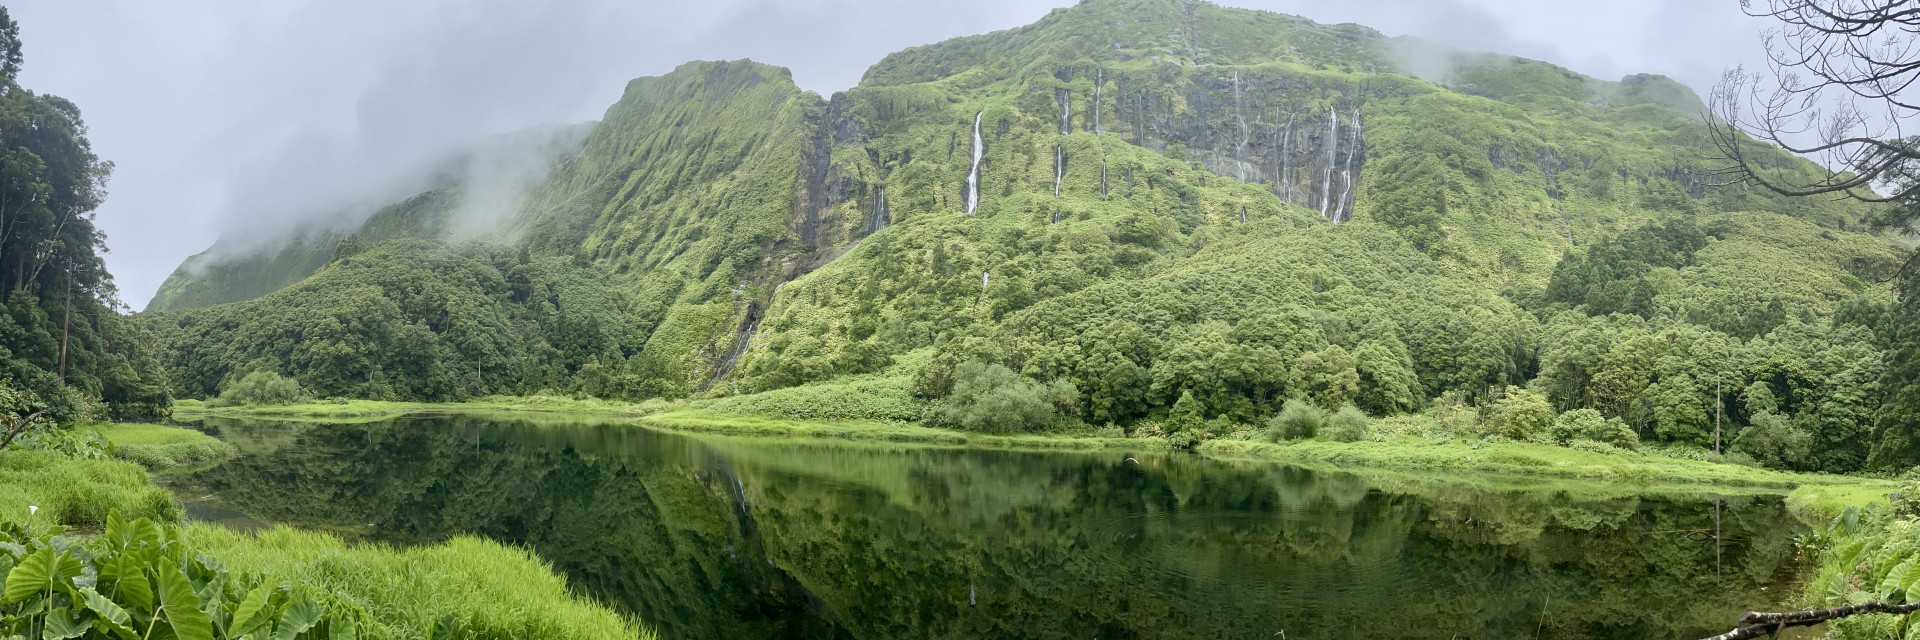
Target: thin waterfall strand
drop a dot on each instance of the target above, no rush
(973, 174)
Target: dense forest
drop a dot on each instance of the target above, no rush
(61, 336)
(1138, 215)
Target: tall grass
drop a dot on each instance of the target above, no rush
(160, 447)
(76, 493)
(495, 591)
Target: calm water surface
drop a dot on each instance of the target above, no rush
(727, 538)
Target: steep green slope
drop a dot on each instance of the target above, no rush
(463, 197)
(1174, 213)
(412, 319)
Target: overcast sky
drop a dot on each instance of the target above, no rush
(218, 113)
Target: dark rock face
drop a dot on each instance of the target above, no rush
(1303, 139)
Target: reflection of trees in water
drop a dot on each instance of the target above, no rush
(736, 539)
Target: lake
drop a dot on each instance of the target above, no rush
(711, 537)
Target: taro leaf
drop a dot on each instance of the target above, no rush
(105, 608)
(342, 627)
(62, 624)
(253, 613)
(125, 580)
(1890, 586)
(181, 605)
(34, 574)
(301, 614)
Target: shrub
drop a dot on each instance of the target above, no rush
(1348, 424)
(1298, 420)
(992, 398)
(262, 388)
(1520, 415)
(1588, 424)
(1775, 441)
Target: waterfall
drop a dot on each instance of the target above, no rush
(879, 220)
(1099, 79)
(1344, 209)
(1243, 214)
(1065, 98)
(1240, 152)
(983, 280)
(1056, 216)
(1059, 167)
(1286, 144)
(1103, 179)
(1333, 147)
(973, 174)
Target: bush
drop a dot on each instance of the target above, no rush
(1298, 420)
(1520, 415)
(1348, 424)
(1775, 441)
(1588, 424)
(992, 398)
(262, 388)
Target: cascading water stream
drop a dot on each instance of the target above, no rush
(879, 220)
(1059, 167)
(1286, 147)
(1246, 134)
(1066, 111)
(973, 174)
(1333, 147)
(1346, 173)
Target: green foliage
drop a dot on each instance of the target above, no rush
(40, 490)
(1589, 425)
(1521, 415)
(159, 447)
(1297, 420)
(994, 399)
(477, 588)
(411, 320)
(1775, 441)
(261, 388)
(146, 579)
(1349, 424)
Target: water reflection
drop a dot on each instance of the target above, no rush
(721, 538)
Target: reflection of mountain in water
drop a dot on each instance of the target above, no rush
(742, 540)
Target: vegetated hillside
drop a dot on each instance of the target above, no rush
(470, 195)
(1180, 215)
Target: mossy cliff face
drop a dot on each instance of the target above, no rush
(1150, 177)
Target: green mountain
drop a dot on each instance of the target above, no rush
(465, 196)
(1154, 213)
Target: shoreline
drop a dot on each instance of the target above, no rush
(1819, 495)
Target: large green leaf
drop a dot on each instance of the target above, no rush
(300, 615)
(181, 605)
(106, 609)
(63, 623)
(342, 627)
(253, 614)
(36, 573)
(124, 580)
(1891, 585)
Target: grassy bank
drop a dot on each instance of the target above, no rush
(493, 590)
(1527, 458)
(40, 489)
(705, 421)
(489, 590)
(374, 410)
(160, 447)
